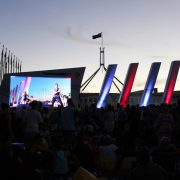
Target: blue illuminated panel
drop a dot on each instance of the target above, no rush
(106, 86)
(151, 80)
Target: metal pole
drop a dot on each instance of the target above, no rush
(90, 80)
(101, 39)
(90, 77)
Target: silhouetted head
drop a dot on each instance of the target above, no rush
(56, 86)
(4, 107)
(70, 102)
(34, 104)
(143, 155)
(164, 141)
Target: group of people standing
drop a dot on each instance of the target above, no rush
(59, 140)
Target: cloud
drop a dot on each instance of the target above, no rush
(140, 84)
(71, 34)
(165, 57)
(79, 34)
(159, 57)
(159, 82)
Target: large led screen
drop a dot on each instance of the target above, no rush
(51, 91)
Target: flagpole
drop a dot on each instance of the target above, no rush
(2, 57)
(102, 39)
(102, 53)
(5, 56)
(8, 62)
(11, 63)
(102, 64)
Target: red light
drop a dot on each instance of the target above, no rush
(128, 83)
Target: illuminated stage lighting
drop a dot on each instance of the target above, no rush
(128, 83)
(170, 83)
(151, 80)
(106, 86)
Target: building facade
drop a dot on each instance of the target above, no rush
(134, 98)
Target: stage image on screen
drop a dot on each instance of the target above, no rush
(51, 91)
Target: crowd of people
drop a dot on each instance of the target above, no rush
(113, 142)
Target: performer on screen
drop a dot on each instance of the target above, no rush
(56, 95)
(26, 98)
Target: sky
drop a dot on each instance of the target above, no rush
(57, 34)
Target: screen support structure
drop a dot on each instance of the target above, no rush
(101, 66)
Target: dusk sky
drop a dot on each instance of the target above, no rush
(56, 34)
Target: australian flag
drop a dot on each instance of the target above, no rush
(97, 35)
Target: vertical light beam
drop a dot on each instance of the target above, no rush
(151, 80)
(170, 83)
(21, 92)
(106, 86)
(27, 84)
(128, 83)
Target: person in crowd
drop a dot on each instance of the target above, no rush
(165, 155)
(68, 121)
(5, 130)
(84, 153)
(61, 166)
(165, 123)
(146, 169)
(109, 118)
(107, 154)
(32, 121)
